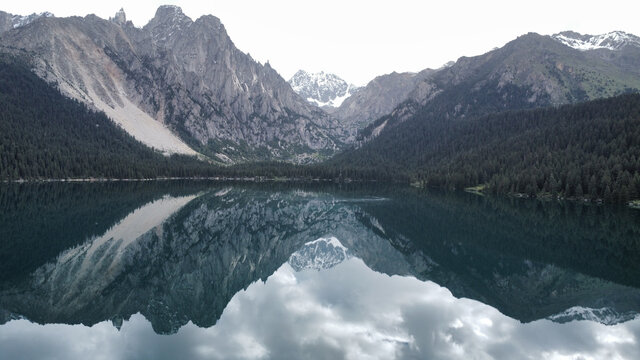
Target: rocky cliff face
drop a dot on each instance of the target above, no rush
(178, 85)
(380, 96)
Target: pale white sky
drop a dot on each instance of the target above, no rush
(360, 39)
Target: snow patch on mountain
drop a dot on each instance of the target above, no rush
(322, 89)
(614, 40)
(320, 254)
(19, 20)
(606, 316)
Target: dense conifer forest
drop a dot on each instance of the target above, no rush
(589, 150)
(44, 134)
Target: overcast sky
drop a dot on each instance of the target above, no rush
(360, 39)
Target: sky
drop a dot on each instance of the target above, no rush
(361, 39)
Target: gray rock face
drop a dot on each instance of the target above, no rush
(380, 96)
(186, 75)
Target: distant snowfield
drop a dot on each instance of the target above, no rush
(613, 41)
(335, 102)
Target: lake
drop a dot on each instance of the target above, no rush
(213, 270)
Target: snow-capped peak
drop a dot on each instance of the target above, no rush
(321, 89)
(19, 20)
(614, 40)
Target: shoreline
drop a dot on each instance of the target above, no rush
(212, 178)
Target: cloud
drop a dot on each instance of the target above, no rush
(347, 312)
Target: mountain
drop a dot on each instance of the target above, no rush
(530, 71)
(322, 89)
(379, 97)
(178, 85)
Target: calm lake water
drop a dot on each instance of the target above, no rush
(205, 270)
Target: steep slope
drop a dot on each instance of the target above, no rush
(44, 134)
(321, 89)
(380, 96)
(178, 85)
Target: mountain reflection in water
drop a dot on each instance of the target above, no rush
(251, 271)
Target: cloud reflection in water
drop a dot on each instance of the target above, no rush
(348, 311)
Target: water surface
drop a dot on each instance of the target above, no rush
(222, 270)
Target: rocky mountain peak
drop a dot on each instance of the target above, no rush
(170, 13)
(120, 17)
(211, 20)
(168, 20)
(615, 40)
